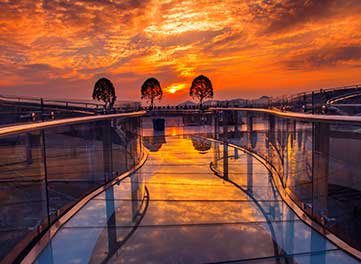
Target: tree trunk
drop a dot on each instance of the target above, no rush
(151, 103)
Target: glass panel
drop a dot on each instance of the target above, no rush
(74, 160)
(23, 202)
(318, 163)
(343, 208)
(43, 173)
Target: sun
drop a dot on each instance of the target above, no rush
(173, 88)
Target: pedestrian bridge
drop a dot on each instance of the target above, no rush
(252, 186)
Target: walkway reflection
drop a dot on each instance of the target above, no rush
(192, 215)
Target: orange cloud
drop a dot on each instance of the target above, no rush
(247, 48)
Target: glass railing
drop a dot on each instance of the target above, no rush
(46, 168)
(317, 160)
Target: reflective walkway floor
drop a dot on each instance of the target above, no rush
(189, 215)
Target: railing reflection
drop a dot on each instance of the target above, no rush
(123, 219)
(267, 200)
(270, 212)
(317, 162)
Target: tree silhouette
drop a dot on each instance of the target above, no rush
(202, 145)
(151, 90)
(104, 91)
(201, 89)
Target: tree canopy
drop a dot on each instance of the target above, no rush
(151, 90)
(201, 89)
(104, 91)
(202, 145)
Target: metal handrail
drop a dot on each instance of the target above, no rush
(343, 97)
(297, 95)
(45, 100)
(294, 115)
(17, 129)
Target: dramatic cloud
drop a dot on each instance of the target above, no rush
(248, 48)
(327, 57)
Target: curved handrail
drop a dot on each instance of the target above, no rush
(309, 92)
(11, 130)
(49, 108)
(300, 116)
(11, 98)
(342, 97)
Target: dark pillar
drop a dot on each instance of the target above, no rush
(107, 150)
(136, 186)
(249, 130)
(237, 132)
(225, 160)
(272, 125)
(320, 153)
(318, 243)
(225, 126)
(249, 173)
(111, 220)
(28, 147)
(159, 124)
(216, 125)
(249, 157)
(236, 155)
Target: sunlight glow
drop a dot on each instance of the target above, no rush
(175, 88)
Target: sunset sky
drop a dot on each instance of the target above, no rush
(59, 49)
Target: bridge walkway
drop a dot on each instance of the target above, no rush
(176, 210)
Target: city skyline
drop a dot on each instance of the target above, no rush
(247, 48)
